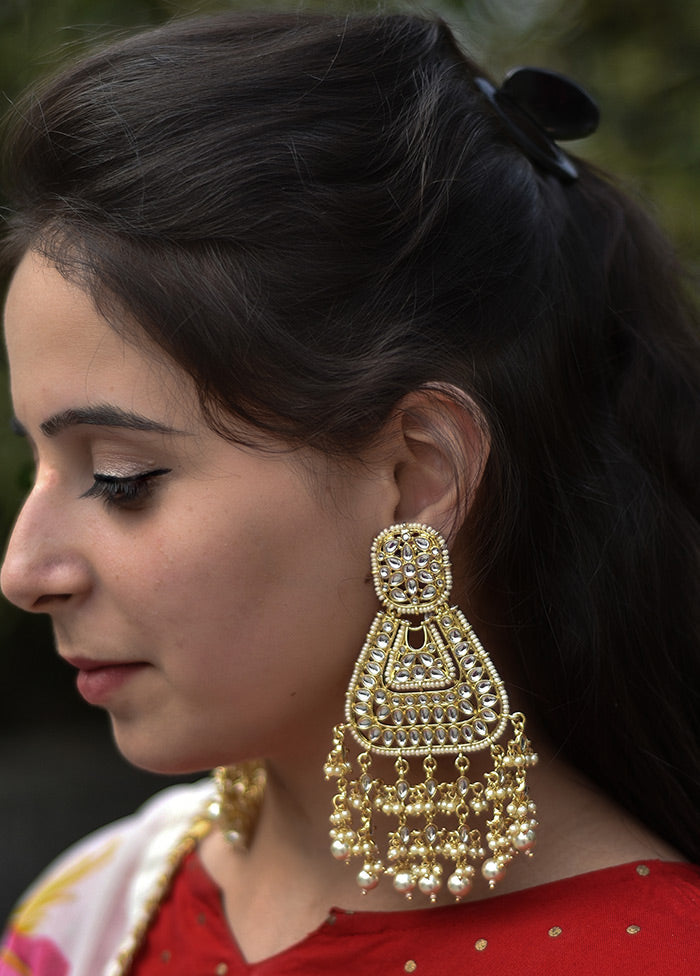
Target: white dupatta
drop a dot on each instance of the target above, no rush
(86, 915)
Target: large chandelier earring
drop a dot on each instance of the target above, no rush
(424, 687)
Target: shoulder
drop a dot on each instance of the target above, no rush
(636, 917)
(85, 907)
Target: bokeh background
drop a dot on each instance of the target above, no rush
(59, 773)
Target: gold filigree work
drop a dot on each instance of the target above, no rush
(423, 686)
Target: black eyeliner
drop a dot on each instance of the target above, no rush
(116, 490)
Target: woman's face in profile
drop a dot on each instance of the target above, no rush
(212, 597)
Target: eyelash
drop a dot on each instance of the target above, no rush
(130, 492)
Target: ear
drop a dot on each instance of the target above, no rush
(442, 448)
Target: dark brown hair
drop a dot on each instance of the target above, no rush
(314, 216)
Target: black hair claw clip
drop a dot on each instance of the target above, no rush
(540, 106)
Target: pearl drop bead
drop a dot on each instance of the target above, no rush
(525, 841)
(339, 850)
(458, 885)
(366, 880)
(428, 884)
(403, 882)
(492, 871)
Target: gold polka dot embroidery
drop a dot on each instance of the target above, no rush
(221, 969)
(643, 870)
(480, 945)
(410, 966)
(554, 931)
(633, 929)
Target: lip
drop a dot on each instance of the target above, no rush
(98, 680)
(90, 664)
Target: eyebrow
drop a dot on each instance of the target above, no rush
(103, 415)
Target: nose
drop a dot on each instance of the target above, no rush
(43, 569)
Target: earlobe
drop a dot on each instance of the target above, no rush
(444, 446)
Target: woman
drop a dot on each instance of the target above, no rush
(289, 291)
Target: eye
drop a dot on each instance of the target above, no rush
(130, 492)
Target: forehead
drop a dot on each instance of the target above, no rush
(63, 353)
(38, 290)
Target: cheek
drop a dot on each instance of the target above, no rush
(282, 586)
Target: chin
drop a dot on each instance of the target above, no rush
(161, 754)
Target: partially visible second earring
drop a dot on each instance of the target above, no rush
(424, 686)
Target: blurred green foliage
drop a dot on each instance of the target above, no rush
(640, 58)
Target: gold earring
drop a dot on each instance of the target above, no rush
(425, 688)
(236, 807)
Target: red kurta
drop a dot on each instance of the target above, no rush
(631, 920)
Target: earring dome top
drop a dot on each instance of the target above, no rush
(411, 568)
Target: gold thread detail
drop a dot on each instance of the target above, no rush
(633, 929)
(197, 831)
(554, 931)
(643, 870)
(480, 944)
(410, 966)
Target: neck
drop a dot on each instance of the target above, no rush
(287, 874)
(292, 831)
